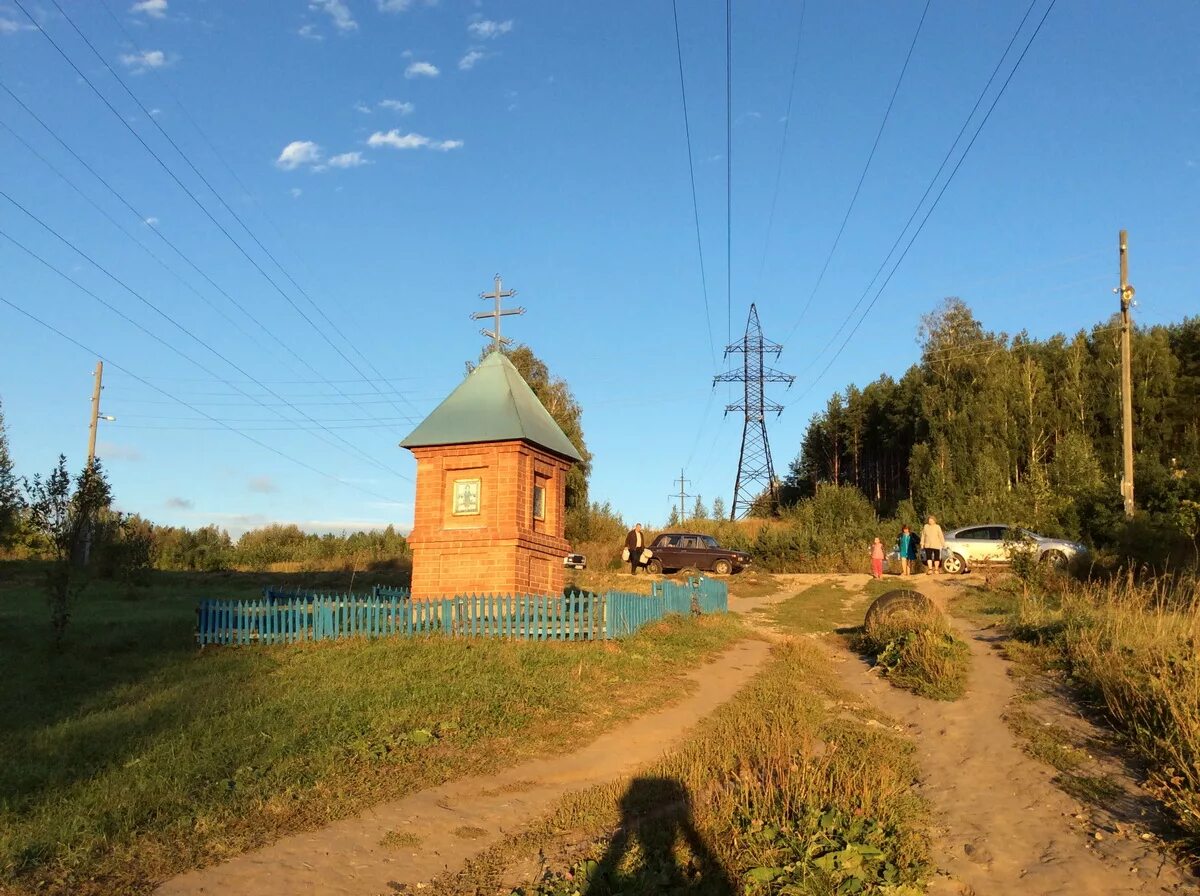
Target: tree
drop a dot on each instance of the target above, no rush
(719, 511)
(555, 395)
(673, 520)
(11, 503)
(64, 519)
(699, 511)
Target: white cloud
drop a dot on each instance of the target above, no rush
(144, 61)
(263, 485)
(151, 221)
(422, 70)
(362, 107)
(400, 5)
(397, 106)
(469, 59)
(486, 29)
(348, 160)
(338, 11)
(155, 9)
(310, 32)
(114, 451)
(297, 153)
(396, 140)
(295, 191)
(180, 503)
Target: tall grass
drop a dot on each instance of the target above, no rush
(1136, 649)
(785, 790)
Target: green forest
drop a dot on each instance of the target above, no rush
(993, 427)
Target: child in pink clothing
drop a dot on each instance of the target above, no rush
(877, 559)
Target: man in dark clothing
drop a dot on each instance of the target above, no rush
(635, 543)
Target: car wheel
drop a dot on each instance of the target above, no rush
(655, 567)
(722, 567)
(1055, 559)
(954, 564)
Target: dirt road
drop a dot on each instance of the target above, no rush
(451, 823)
(1001, 825)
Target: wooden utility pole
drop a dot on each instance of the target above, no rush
(1126, 295)
(96, 387)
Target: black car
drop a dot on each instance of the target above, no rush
(680, 550)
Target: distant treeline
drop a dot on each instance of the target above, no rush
(210, 548)
(989, 427)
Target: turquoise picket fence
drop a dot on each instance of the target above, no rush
(283, 617)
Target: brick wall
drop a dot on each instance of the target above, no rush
(494, 544)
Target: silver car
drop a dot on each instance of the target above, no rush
(992, 543)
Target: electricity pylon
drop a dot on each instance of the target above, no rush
(756, 473)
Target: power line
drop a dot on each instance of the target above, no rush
(937, 198)
(356, 449)
(728, 170)
(787, 123)
(224, 230)
(862, 177)
(119, 226)
(687, 130)
(226, 427)
(238, 181)
(288, 353)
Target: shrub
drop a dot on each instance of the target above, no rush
(918, 652)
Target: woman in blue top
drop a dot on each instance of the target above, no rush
(906, 549)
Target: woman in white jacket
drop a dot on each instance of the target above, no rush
(933, 542)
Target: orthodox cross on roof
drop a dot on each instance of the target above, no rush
(497, 294)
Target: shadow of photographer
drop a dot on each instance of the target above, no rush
(656, 818)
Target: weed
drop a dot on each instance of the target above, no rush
(399, 840)
(1133, 649)
(918, 652)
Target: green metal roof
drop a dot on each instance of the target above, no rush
(493, 404)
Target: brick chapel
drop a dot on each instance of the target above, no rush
(491, 490)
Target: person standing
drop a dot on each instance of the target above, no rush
(877, 558)
(933, 542)
(635, 543)
(904, 545)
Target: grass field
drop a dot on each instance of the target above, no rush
(131, 755)
(826, 606)
(793, 788)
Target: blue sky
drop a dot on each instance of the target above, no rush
(391, 156)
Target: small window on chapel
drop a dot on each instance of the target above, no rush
(539, 502)
(466, 497)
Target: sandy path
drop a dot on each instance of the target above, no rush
(1001, 825)
(347, 858)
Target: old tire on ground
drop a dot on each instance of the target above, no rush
(897, 601)
(722, 567)
(953, 564)
(654, 566)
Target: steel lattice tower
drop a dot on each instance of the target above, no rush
(756, 473)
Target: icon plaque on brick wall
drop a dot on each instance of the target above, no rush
(466, 497)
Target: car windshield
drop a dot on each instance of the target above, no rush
(709, 541)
